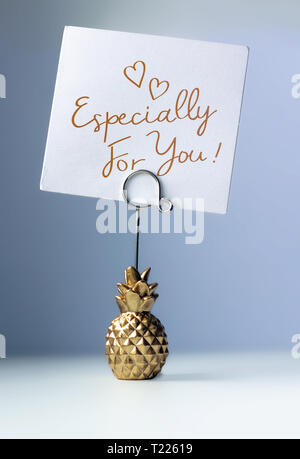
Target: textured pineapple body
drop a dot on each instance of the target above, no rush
(136, 346)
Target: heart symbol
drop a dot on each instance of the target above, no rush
(135, 73)
(155, 90)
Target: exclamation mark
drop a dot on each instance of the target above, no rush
(218, 151)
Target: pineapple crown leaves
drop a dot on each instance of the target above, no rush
(136, 294)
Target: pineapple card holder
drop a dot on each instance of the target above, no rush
(171, 105)
(136, 341)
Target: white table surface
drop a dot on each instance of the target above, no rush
(197, 396)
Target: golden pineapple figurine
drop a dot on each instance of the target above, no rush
(136, 342)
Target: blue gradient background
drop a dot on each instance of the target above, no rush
(240, 288)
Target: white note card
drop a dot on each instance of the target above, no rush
(126, 101)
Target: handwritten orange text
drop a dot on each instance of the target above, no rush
(186, 106)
